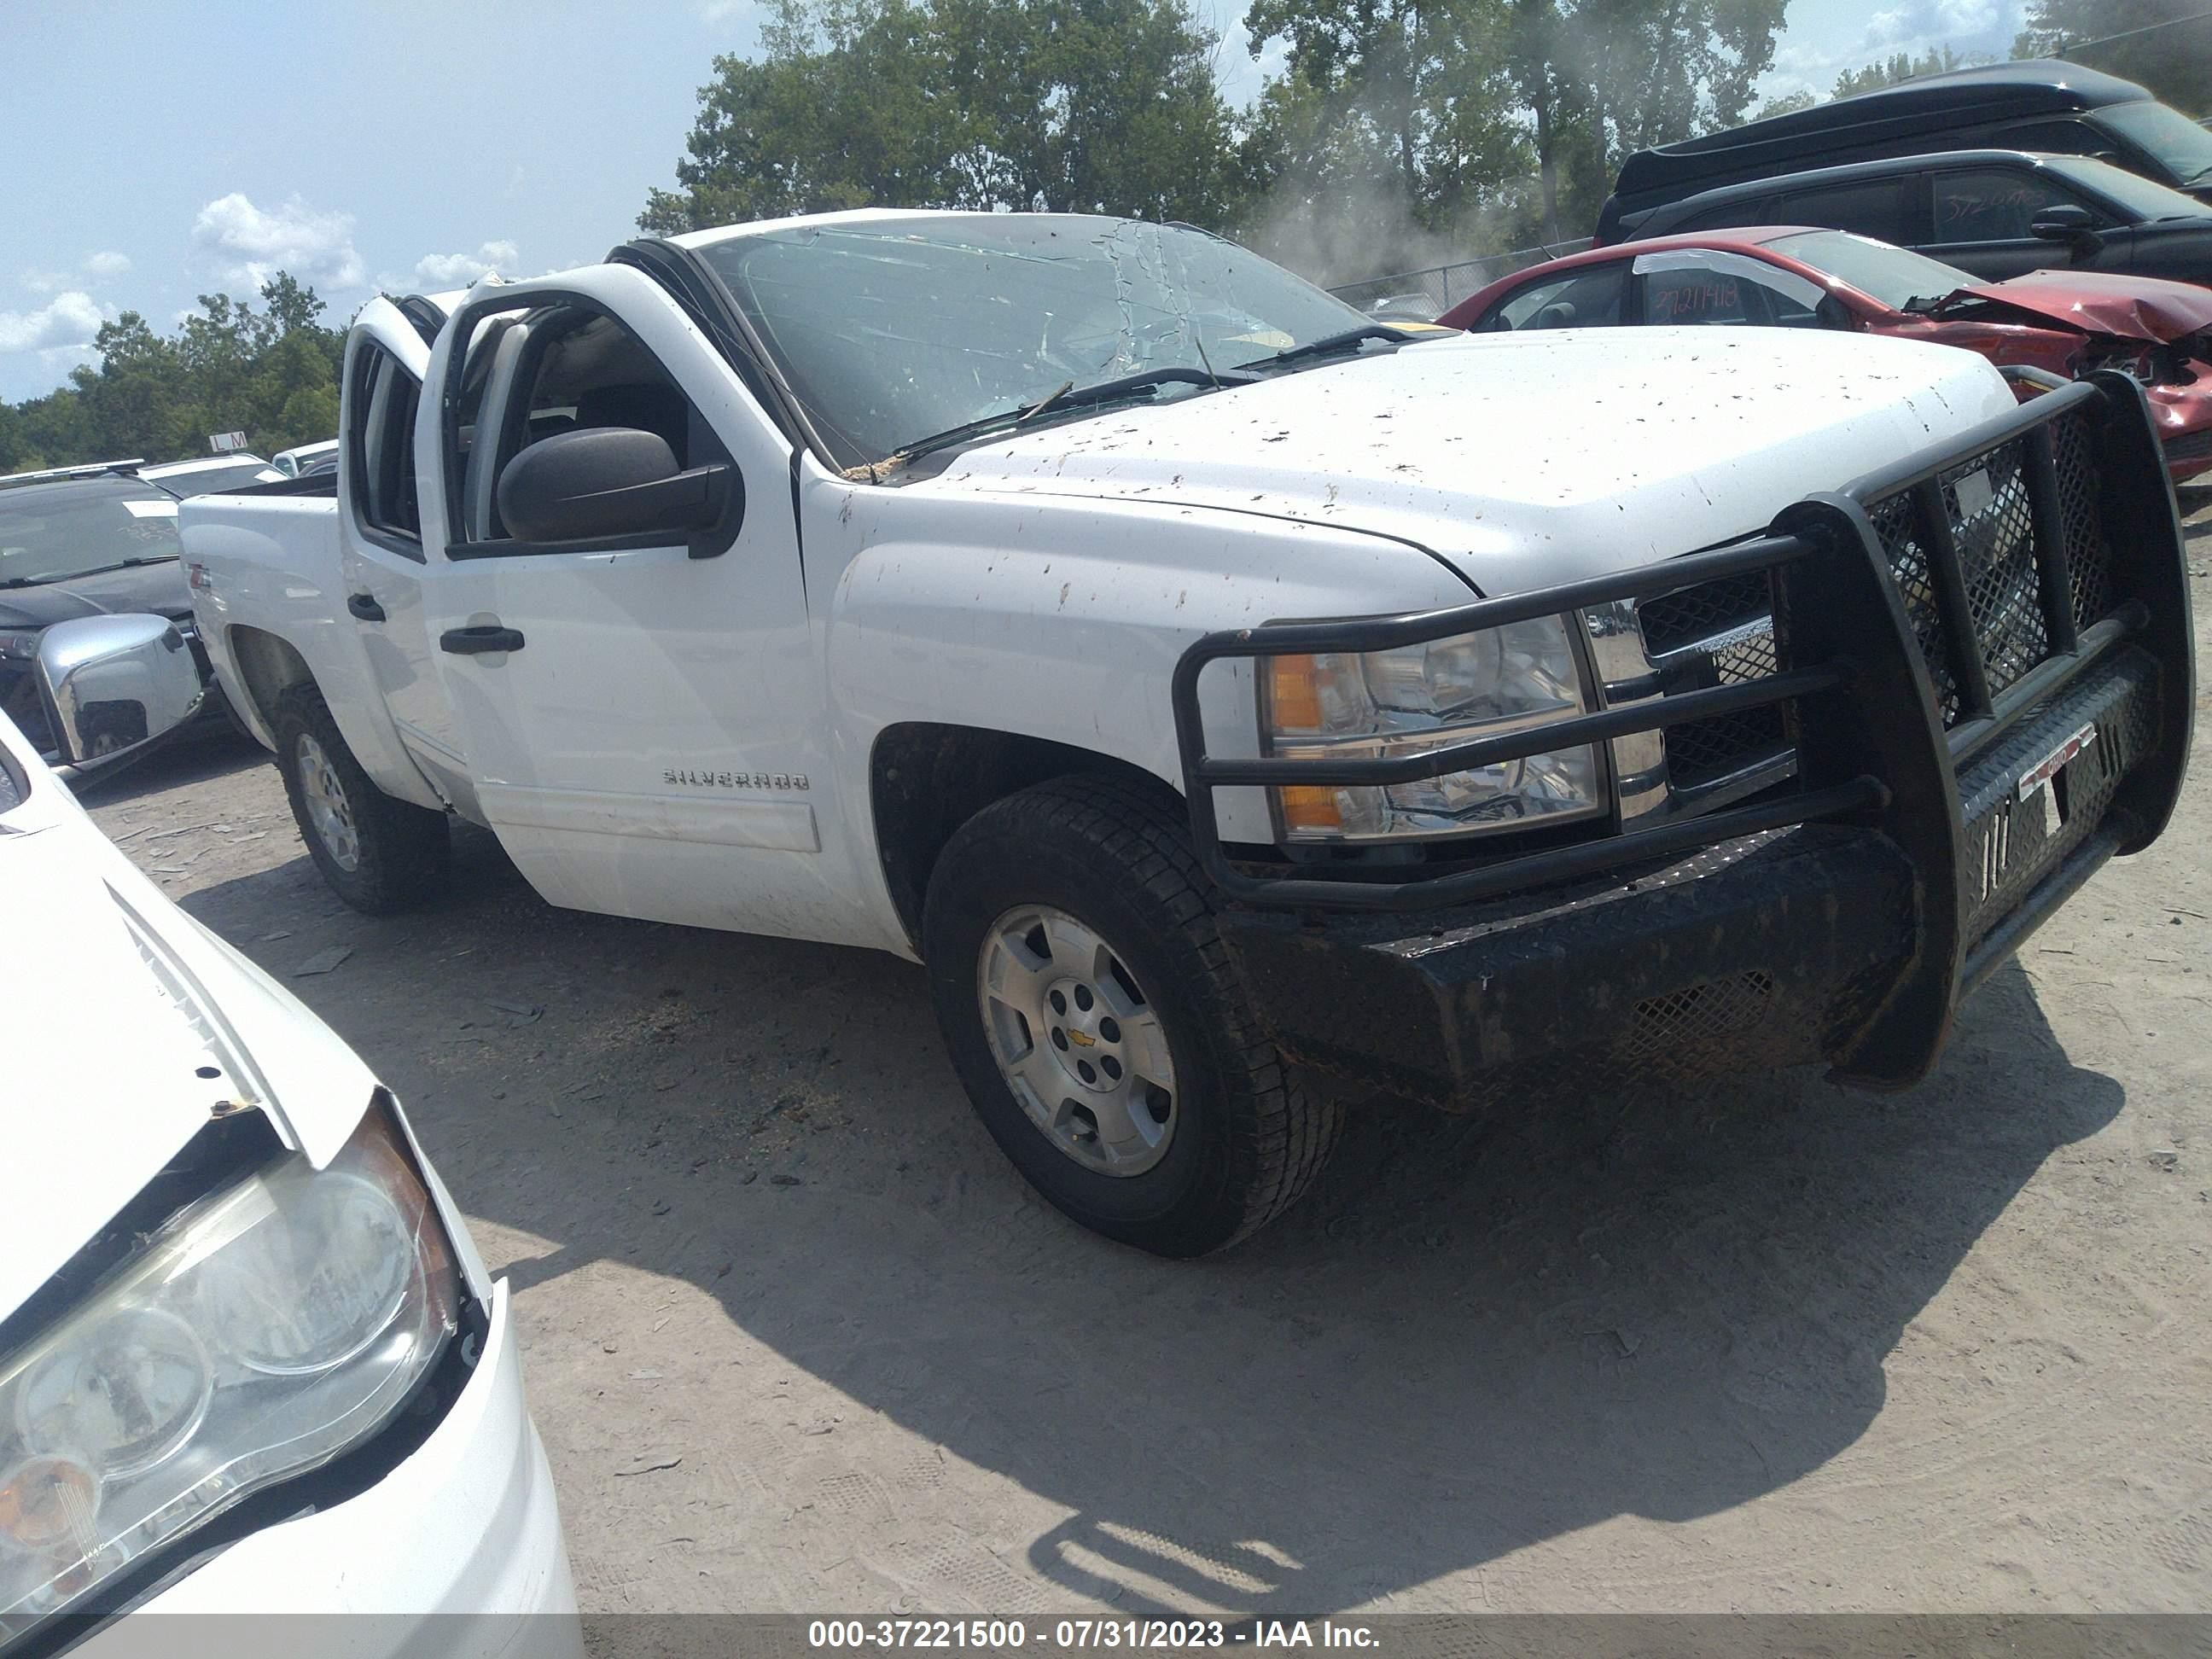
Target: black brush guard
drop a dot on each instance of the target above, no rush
(1882, 739)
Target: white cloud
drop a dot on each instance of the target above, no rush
(433, 272)
(67, 320)
(1965, 16)
(56, 361)
(1887, 28)
(1826, 37)
(1238, 74)
(97, 266)
(252, 245)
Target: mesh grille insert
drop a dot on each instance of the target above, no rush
(1699, 752)
(1711, 634)
(2089, 560)
(1674, 1029)
(1993, 524)
(1688, 615)
(1897, 523)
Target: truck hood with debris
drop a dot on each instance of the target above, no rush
(1525, 459)
(130, 1026)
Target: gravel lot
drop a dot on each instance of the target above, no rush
(799, 1339)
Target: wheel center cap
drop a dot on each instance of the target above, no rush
(1085, 1034)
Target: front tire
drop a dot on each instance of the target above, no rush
(1101, 1029)
(379, 854)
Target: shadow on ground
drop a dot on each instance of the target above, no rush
(1470, 1339)
(191, 755)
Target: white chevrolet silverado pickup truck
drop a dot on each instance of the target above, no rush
(1229, 698)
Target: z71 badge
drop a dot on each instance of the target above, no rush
(2038, 776)
(735, 780)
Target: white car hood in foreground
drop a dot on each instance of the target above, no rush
(113, 1001)
(1525, 458)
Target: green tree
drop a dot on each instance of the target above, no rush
(271, 373)
(1898, 66)
(1788, 104)
(1462, 91)
(1410, 95)
(2174, 61)
(1072, 104)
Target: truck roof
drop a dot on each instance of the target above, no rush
(854, 216)
(760, 226)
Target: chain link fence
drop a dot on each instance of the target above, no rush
(1440, 287)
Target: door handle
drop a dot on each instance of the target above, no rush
(364, 606)
(475, 641)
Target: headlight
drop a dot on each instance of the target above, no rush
(260, 1333)
(1391, 704)
(20, 642)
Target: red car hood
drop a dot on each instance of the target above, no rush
(2098, 302)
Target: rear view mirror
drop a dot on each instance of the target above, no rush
(2064, 222)
(610, 481)
(115, 683)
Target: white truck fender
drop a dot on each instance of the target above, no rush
(1070, 631)
(258, 590)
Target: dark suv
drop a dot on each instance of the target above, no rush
(1997, 213)
(83, 542)
(2044, 105)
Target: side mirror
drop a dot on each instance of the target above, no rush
(113, 685)
(607, 481)
(2064, 222)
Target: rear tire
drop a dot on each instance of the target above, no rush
(379, 854)
(1087, 890)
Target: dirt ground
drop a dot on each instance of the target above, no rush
(797, 1339)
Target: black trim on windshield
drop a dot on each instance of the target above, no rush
(425, 315)
(707, 300)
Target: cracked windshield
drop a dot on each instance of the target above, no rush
(897, 332)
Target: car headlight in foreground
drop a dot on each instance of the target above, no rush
(259, 1333)
(1385, 704)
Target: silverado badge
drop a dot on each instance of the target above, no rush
(701, 779)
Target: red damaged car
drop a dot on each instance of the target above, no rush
(2065, 322)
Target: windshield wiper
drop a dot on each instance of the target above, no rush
(96, 570)
(1329, 344)
(1930, 305)
(1066, 399)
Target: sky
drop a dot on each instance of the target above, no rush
(160, 151)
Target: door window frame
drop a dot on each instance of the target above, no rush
(2063, 189)
(363, 391)
(1493, 321)
(491, 424)
(1744, 268)
(1912, 199)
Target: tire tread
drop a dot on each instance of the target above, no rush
(403, 847)
(1287, 1130)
